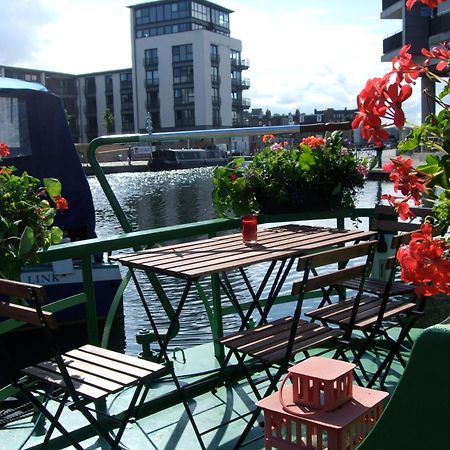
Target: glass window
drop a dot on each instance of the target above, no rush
(152, 78)
(151, 57)
(14, 126)
(220, 18)
(183, 96)
(182, 53)
(201, 12)
(183, 75)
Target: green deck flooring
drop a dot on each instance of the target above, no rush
(169, 428)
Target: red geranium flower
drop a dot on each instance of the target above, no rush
(423, 262)
(430, 3)
(313, 141)
(4, 150)
(233, 177)
(267, 138)
(442, 53)
(60, 203)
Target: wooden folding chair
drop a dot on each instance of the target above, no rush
(76, 378)
(374, 315)
(387, 223)
(276, 343)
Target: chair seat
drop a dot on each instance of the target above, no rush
(368, 312)
(96, 372)
(268, 342)
(377, 287)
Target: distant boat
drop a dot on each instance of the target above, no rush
(34, 125)
(170, 159)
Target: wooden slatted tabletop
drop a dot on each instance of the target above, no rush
(195, 259)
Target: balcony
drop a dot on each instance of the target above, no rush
(183, 100)
(150, 62)
(215, 79)
(126, 85)
(240, 64)
(240, 83)
(392, 9)
(127, 106)
(215, 59)
(241, 103)
(392, 43)
(152, 105)
(440, 24)
(151, 83)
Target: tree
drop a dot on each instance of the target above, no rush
(108, 120)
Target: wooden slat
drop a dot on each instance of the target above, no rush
(19, 289)
(109, 363)
(96, 381)
(122, 358)
(368, 312)
(25, 314)
(269, 342)
(55, 379)
(337, 255)
(199, 258)
(100, 371)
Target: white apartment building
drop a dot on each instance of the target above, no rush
(187, 70)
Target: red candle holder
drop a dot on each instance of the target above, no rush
(249, 224)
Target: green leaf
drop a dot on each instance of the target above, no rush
(56, 235)
(26, 241)
(53, 186)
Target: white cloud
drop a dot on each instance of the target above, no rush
(303, 54)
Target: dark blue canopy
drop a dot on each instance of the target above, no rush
(34, 125)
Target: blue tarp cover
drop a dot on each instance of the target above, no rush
(53, 154)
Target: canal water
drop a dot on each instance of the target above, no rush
(158, 199)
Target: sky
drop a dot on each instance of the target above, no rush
(303, 54)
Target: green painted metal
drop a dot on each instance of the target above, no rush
(113, 309)
(91, 310)
(217, 323)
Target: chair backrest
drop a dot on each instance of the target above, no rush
(356, 260)
(418, 414)
(32, 294)
(386, 219)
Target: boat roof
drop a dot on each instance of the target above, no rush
(20, 85)
(34, 125)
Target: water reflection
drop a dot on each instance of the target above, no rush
(159, 199)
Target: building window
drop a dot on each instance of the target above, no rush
(183, 96)
(151, 57)
(127, 101)
(89, 85)
(159, 13)
(214, 52)
(217, 122)
(108, 83)
(184, 118)
(201, 12)
(126, 81)
(183, 75)
(215, 79)
(151, 78)
(220, 18)
(152, 99)
(182, 53)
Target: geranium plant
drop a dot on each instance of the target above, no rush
(319, 174)
(425, 261)
(26, 217)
